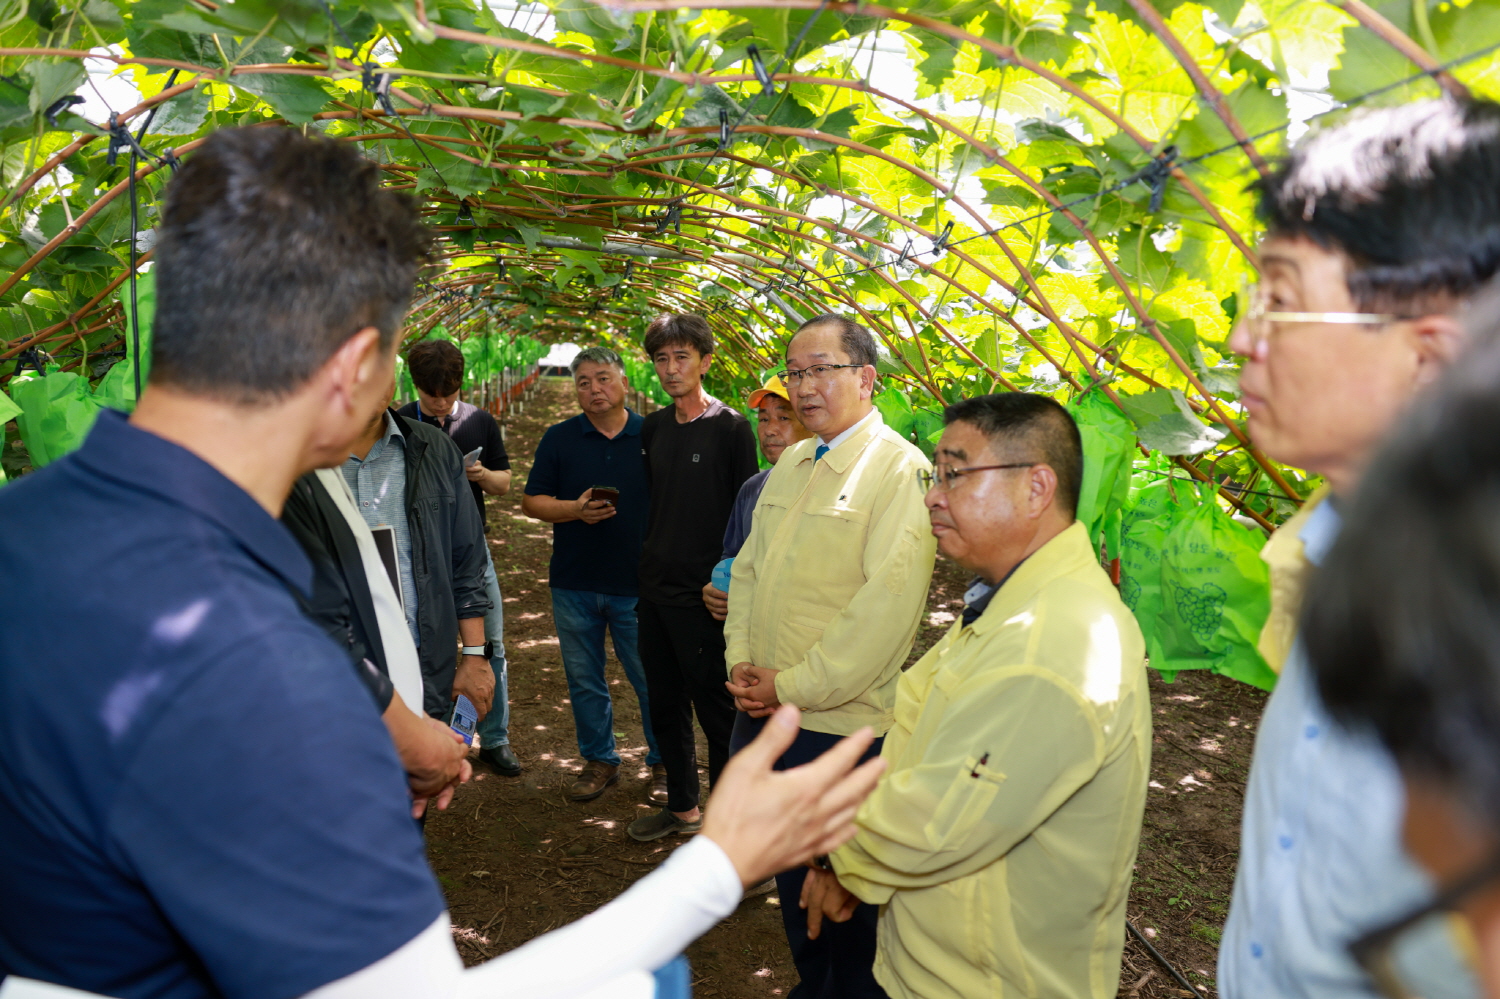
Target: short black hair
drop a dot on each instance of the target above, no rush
(1034, 424)
(858, 342)
(1410, 194)
(1402, 620)
(686, 329)
(596, 355)
(436, 367)
(274, 249)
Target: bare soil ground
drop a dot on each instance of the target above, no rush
(517, 859)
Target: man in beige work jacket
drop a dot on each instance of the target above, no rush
(826, 596)
(1000, 842)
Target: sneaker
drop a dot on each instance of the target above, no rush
(501, 759)
(657, 794)
(661, 823)
(595, 778)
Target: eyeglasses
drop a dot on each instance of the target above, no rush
(1379, 952)
(1258, 319)
(945, 475)
(817, 372)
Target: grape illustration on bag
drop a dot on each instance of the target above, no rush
(1215, 596)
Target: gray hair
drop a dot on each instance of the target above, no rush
(597, 355)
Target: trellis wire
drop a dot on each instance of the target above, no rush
(1152, 174)
(1148, 172)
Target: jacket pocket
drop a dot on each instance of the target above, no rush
(963, 804)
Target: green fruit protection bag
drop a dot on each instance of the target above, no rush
(1152, 513)
(1108, 447)
(58, 409)
(8, 411)
(57, 413)
(1215, 596)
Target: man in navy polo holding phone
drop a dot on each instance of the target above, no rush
(437, 371)
(596, 548)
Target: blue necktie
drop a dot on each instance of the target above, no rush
(820, 452)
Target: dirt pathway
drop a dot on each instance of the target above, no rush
(517, 859)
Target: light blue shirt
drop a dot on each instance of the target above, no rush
(379, 486)
(1321, 861)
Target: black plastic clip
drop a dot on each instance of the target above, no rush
(31, 357)
(58, 106)
(726, 130)
(1155, 174)
(464, 213)
(119, 138)
(767, 87)
(379, 84)
(941, 243)
(671, 217)
(905, 255)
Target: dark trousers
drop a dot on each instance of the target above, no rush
(682, 654)
(840, 964)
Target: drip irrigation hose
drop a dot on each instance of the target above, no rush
(1157, 957)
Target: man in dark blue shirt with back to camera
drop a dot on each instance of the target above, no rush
(154, 617)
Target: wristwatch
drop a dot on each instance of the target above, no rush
(821, 863)
(486, 650)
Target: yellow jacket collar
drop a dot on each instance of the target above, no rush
(842, 456)
(1064, 554)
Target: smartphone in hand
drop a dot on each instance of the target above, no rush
(606, 494)
(472, 456)
(465, 719)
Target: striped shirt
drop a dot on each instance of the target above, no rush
(379, 486)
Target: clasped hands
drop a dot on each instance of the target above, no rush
(824, 898)
(753, 689)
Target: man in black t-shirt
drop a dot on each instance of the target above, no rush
(437, 371)
(698, 454)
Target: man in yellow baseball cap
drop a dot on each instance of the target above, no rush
(777, 428)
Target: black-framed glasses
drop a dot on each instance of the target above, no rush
(1377, 951)
(817, 372)
(945, 475)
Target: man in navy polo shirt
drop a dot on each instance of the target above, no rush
(154, 626)
(596, 549)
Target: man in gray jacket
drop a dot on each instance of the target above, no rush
(408, 479)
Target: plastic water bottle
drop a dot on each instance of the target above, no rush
(720, 575)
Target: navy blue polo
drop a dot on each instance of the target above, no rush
(197, 796)
(571, 457)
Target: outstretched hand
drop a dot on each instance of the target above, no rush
(767, 821)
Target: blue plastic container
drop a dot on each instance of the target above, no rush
(720, 576)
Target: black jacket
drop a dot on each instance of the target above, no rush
(340, 603)
(448, 555)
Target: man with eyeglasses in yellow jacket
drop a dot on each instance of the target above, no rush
(826, 595)
(1000, 842)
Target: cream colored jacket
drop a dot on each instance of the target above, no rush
(1001, 839)
(832, 582)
